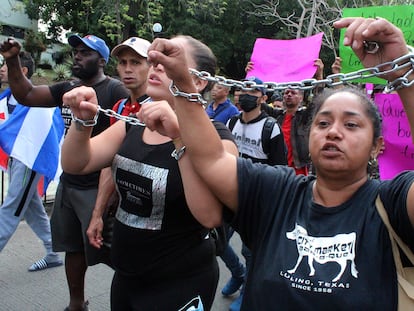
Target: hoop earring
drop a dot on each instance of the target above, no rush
(373, 161)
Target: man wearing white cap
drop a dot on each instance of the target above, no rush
(133, 70)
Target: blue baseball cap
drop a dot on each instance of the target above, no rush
(257, 81)
(93, 42)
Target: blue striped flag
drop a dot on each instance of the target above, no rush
(34, 136)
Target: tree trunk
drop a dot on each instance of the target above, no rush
(312, 20)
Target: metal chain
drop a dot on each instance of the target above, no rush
(191, 97)
(406, 61)
(403, 62)
(129, 119)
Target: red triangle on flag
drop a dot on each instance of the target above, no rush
(40, 186)
(3, 160)
(2, 116)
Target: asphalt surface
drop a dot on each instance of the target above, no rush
(46, 290)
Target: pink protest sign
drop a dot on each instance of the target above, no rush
(399, 149)
(285, 60)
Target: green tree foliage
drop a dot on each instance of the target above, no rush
(229, 30)
(35, 44)
(229, 27)
(111, 20)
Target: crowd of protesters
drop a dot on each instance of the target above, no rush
(274, 167)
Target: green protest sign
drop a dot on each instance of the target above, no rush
(401, 16)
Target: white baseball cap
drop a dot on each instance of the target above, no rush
(140, 46)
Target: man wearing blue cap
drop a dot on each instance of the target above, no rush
(76, 194)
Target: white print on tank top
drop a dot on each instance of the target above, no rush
(142, 189)
(248, 138)
(339, 248)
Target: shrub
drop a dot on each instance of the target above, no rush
(39, 73)
(62, 72)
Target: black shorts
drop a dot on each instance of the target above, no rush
(70, 219)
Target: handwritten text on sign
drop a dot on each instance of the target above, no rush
(399, 150)
(401, 16)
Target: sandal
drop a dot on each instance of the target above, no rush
(42, 264)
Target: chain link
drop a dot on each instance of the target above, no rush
(191, 97)
(87, 123)
(333, 80)
(129, 119)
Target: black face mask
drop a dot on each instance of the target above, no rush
(248, 102)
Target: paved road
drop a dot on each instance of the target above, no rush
(47, 291)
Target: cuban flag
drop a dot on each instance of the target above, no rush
(34, 136)
(4, 111)
(4, 115)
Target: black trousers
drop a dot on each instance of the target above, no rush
(132, 294)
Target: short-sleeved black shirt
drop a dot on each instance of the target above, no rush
(310, 257)
(108, 91)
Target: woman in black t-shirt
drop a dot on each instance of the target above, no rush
(162, 255)
(317, 242)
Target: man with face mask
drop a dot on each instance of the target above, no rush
(76, 194)
(249, 129)
(259, 138)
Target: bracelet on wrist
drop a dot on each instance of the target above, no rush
(178, 153)
(191, 97)
(86, 123)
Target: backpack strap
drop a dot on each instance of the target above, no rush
(122, 105)
(267, 133)
(232, 122)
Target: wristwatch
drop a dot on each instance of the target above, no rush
(177, 154)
